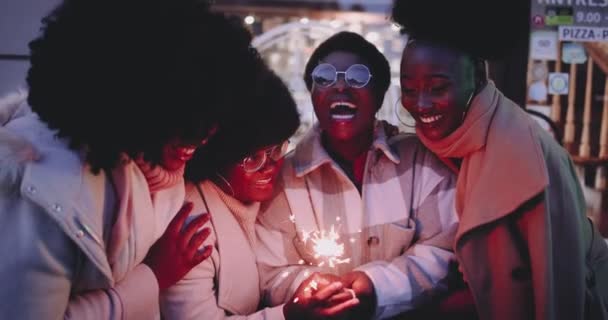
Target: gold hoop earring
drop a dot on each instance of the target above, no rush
(468, 105)
(227, 184)
(401, 118)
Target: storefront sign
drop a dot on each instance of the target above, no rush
(582, 34)
(573, 52)
(543, 45)
(558, 83)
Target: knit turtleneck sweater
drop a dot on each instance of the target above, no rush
(245, 214)
(158, 177)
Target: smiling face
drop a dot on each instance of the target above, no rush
(344, 112)
(177, 153)
(254, 186)
(437, 84)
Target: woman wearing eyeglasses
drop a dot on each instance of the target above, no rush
(226, 285)
(389, 200)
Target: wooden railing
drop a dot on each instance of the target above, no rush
(584, 136)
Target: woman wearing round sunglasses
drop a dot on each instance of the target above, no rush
(393, 222)
(227, 283)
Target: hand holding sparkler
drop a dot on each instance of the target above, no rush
(363, 288)
(314, 299)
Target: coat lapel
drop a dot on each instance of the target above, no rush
(238, 282)
(304, 215)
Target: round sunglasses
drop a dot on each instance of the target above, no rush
(257, 161)
(356, 76)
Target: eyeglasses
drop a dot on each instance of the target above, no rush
(257, 161)
(356, 76)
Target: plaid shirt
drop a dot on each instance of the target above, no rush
(402, 242)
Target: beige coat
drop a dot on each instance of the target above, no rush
(226, 285)
(55, 221)
(525, 245)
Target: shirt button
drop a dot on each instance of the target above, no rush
(373, 241)
(79, 233)
(31, 189)
(57, 207)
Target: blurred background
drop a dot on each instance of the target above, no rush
(555, 72)
(285, 32)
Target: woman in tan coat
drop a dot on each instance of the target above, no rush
(524, 244)
(226, 286)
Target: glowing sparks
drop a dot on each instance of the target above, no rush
(326, 246)
(314, 285)
(305, 236)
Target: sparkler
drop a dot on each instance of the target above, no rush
(327, 247)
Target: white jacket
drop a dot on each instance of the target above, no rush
(55, 218)
(404, 252)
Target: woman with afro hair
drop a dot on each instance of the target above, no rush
(230, 183)
(524, 244)
(121, 94)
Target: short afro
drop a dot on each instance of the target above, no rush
(271, 117)
(484, 29)
(356, 44)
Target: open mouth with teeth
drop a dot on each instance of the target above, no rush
(263, 182)
(342, 111)
(184, 153)
(430, 119)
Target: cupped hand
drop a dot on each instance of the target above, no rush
(177, 251)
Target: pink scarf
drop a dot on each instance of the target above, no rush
(503, 164)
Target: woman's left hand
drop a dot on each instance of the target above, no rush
(177, 250)
(319, 297)
(363, 288)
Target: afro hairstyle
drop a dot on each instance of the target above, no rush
(128, 76)
(270, 118)
(483, 29)
(356, 44)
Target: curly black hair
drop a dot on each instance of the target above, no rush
(356, 44)
(271, 117)
(483, 29)
(116, 76)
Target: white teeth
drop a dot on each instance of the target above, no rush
(342, 116)
(430, 119)
(343, 103)
(264, 181)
